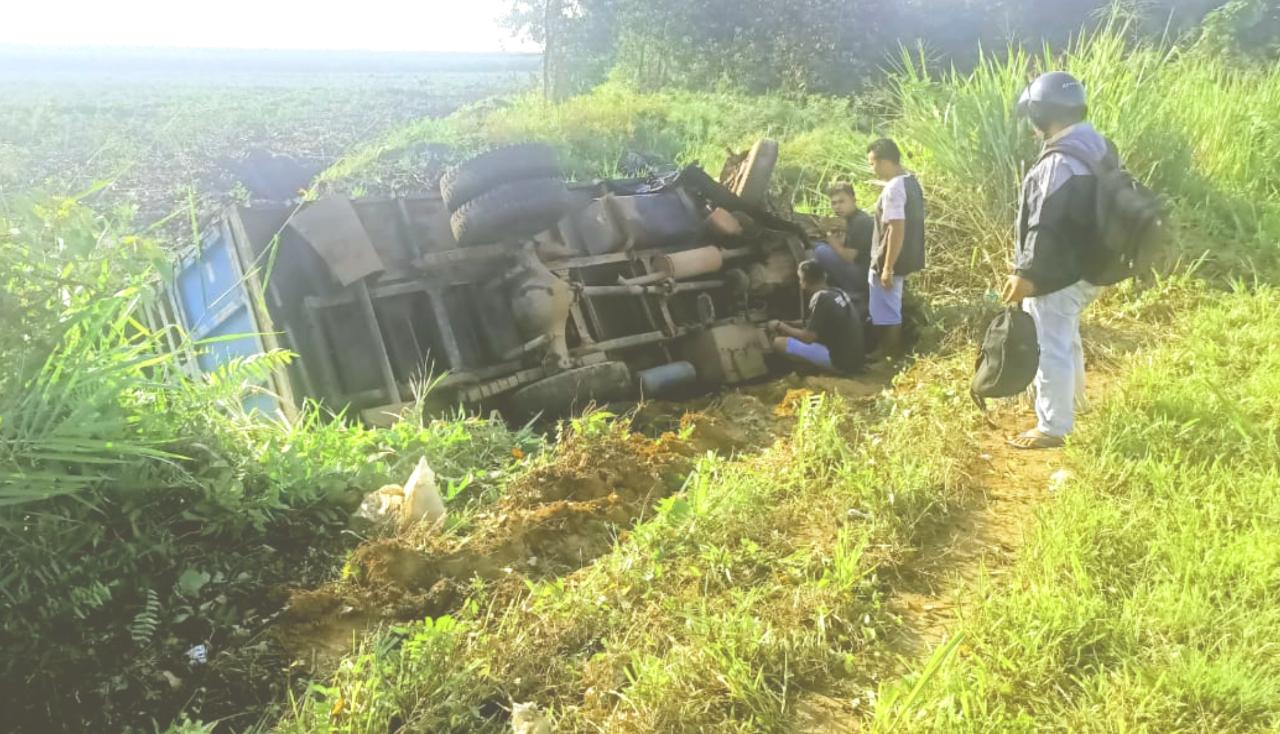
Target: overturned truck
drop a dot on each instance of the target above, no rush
(519, 291)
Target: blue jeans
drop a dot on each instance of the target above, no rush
(1060, 379)
(814, 353)
(842, 273)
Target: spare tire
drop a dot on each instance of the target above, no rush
(757, 171)
(573, 388)
(518, 209)
(471, 178)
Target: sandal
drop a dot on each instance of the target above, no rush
(1035, 440)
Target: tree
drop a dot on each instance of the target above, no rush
(837, 46)
(1249, 28)
(578, 38)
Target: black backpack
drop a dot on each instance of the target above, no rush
(1130, 218)
(1009, 358)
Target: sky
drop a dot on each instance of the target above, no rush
(365, 25)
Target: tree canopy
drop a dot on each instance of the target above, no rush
(837, 46)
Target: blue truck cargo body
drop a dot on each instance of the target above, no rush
(212, 299)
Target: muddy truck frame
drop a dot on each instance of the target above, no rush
(517, 291)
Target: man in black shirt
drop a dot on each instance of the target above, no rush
(847, 258)
(832, 339)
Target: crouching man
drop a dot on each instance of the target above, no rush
(847, 256)
(832, 338)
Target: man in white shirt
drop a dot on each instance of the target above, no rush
(897, 245)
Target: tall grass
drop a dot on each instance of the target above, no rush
(1202, 132)
(1147, 599)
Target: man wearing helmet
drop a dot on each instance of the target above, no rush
(1057, 242)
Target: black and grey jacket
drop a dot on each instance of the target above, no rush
(1058, 238)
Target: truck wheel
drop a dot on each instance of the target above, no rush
(517, 209)
(573, 388)
(757, 172)
(469, 179)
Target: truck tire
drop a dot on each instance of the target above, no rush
(757, 171)
(471, 178)
(517, 209)
(573, 388)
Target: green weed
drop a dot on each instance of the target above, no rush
(1198, 129)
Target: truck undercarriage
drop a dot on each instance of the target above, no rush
(517, 291)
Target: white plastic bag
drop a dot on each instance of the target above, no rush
(422, 500)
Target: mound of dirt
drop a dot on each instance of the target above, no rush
(320, 626)
(563, 513)
(733, 423)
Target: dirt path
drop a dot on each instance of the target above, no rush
(982, 536)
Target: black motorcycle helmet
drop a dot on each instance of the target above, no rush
(1054, 97)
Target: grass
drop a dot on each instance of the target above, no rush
(761, 577)
(1147, 598)
(594, 131)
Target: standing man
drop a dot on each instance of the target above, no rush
(832, 338)
(897, 244)
(848, 261)
(1058, 242)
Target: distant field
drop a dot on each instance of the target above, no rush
(157, 129)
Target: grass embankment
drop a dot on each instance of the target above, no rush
(1148, 598)
(594, 132)
(140, 502)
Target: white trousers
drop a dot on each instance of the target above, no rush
(1060, 380)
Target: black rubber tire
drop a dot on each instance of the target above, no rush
(517, 209)
(574, 388)
(753, 186)
(471, 178)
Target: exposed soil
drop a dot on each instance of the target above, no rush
(566, 511)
